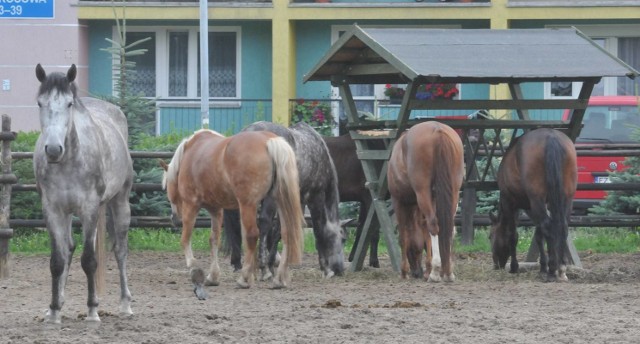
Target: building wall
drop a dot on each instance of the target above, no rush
(55, 43)
(287, 38)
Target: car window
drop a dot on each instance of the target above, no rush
(610, 124)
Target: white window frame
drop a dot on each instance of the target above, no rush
(162, 59)
(610, 35)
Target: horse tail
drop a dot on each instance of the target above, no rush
(554, 157)
(174, 165)
(101, 250)
(286, 191)
(447, 149)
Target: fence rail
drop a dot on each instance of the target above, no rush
(8, 178)
(478, 219)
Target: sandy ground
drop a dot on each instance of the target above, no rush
(599, 305)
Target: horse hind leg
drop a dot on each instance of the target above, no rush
(118, 225)
(213, 277)
(539, 241)
(89, 259)
(250, 234)
(266, 222)
(403, 216)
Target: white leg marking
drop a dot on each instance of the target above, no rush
(562, 274)
(188, 254)
(436, 262)
(213, 278)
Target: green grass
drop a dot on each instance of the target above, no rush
(596, 240)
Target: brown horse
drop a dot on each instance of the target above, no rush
(425, 174)
(538, 174)
(214, 172)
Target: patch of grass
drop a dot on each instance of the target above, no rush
(597, 240)
(607, 240)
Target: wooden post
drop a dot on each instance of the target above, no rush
(5, 196)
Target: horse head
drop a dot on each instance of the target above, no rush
(56, 99)
(331, 249)
(499, 237)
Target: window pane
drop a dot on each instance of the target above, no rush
(143, 82)
(222, 64)
(178, 52)
(629, 52)
(359, 90)
(561, 89)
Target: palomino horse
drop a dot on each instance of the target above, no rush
(214, 172)
(538, 174)
(82, 167)
(318, 191)
(351, 188)
(425, 174)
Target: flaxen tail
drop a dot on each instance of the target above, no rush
(286, 191)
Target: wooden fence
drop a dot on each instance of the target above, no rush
(9, 184)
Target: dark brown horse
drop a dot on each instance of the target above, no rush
(538, 174)
(351, 186)
(214, 172)
(425, 174)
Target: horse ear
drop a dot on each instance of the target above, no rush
(163, 165)
(71, 73)
(40, 73)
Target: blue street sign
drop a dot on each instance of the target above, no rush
(24, 9)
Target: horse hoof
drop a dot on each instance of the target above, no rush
(211, 283)
(200, 292)
(125, 310)
(92, 318)
(278, 285)
(242, 283)
(374, 264)
(266, 275)
(328, 274)
(450, 278)
(52, 317)
(434, 278)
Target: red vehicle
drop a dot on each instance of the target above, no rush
(608, 120)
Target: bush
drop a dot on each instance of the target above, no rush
(25, 205)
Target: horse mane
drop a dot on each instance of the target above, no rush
(174, 166)
(58, 81)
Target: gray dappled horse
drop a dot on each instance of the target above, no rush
(83, 168)
(318, 191)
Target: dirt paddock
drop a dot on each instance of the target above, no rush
(599, 305)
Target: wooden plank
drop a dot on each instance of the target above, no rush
(493, 104)
(374, 154)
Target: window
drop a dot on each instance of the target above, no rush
(144, 81)
(171, 66)
(622, 41)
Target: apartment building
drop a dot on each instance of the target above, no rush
(259, 51)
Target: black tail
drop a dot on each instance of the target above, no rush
(557, 200)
